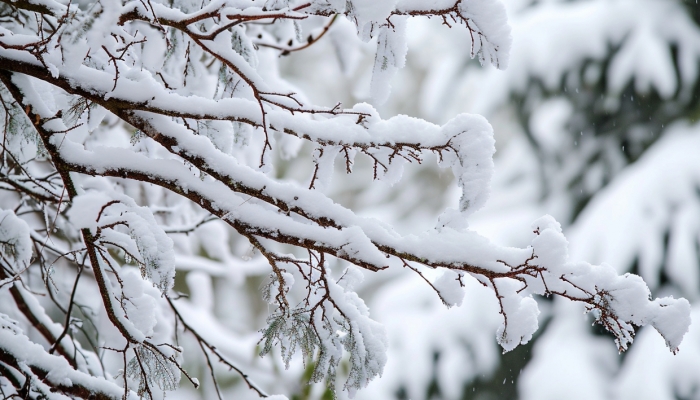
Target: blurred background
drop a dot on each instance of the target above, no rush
(596, 124)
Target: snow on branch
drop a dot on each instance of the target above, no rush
(45, 375)
(126, 98)
(15, 243)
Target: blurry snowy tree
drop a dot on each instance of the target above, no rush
(604, 98)
(138, 171)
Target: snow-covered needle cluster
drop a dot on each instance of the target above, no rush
(128, 124)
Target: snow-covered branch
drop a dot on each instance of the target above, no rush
(122, 98)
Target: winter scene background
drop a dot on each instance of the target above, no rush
(438, 199)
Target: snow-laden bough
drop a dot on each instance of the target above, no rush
(135, 106)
